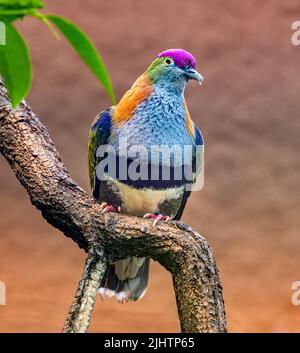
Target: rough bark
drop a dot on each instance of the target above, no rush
(81, 310)
(30, 152)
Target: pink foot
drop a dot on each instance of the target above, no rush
(105, 207)
(157, 218)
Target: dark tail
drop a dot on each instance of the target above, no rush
(126, 279)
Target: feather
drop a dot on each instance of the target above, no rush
(99, 135)
(140, 90)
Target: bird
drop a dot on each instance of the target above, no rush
(131, 168)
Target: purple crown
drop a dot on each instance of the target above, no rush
(182, 58)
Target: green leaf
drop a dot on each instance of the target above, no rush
(86, 50)
(44, 19)
(13, 9)
(21, 4)
(15, 66)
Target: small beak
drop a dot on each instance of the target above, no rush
(192, 74)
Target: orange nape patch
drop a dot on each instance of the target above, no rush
(140, 90)
(189, 122)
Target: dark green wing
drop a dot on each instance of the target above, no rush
(198, 171)
(99, 135)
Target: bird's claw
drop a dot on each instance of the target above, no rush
(105, 207)
(157, 218)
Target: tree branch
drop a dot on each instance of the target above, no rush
(29, 150)
(80, 313)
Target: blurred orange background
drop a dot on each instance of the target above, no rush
(248, 110)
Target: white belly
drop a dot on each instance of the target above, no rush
(138, 202)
